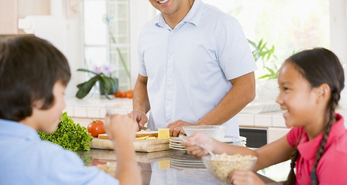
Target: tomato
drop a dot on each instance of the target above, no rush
(96, 127)
(129, 93)
(119, 94)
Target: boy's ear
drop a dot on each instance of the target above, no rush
(38, 104)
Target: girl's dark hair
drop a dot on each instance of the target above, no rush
(29, 68)
(319, 66)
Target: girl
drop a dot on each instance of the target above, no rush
(310, 85)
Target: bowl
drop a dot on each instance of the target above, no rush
(215, 131)
(220, 166)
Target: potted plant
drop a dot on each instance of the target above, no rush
(263, 53)
(107, 84)
(266, 84)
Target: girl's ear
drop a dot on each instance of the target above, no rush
(323, 93)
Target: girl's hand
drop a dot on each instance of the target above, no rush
(201, 139)
(245, 177)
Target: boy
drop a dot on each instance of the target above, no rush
(33, 78)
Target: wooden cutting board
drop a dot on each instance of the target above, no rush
(138, 134)
(139, 145)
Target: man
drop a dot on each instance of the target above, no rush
(196, 68)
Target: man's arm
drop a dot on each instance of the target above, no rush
(140, 101)
(242, 92)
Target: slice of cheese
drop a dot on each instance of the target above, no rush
(142, 138)
(151, 138)
(163, 133)
(102, 136)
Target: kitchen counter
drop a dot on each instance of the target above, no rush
(91, 108)
(172, 167)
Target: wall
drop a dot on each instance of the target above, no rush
(338, 37)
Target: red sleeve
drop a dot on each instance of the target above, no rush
(293, 136)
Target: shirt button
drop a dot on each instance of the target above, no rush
(169, 79)
(168, 102)
(172, 33)
(170, 56)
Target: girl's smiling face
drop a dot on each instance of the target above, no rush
(297, 98)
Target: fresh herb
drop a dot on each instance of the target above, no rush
(69, 135)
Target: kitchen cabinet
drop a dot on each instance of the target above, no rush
(11, 11)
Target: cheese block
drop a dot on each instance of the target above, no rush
(163, 133)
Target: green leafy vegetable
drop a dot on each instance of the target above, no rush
(69, 135)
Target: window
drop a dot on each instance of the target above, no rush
(106, 37)
(288, 25)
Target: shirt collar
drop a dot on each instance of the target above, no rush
(18, 130)
(308, 149)
(193, 16)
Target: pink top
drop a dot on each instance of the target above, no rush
(332, 167)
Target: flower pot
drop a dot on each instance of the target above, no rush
(112, 88)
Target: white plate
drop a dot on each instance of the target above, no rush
(186, 162)
(175, 140)
(175, 145)
(176, 148)
(187, 166)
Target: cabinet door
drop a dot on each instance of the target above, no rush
(275, 133)
(8, 17)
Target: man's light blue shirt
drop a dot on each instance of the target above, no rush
(26, 159)
(189, 67)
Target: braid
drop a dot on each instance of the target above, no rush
(291, 176)
(335, 96)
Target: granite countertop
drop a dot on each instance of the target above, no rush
(172, 167)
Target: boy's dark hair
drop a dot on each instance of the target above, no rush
(29, 68)
(319, 66)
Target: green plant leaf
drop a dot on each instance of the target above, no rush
(108, 85)
(88, 71)
(84, 88)
(120, 56)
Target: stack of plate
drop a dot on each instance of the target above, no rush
(185, 161)
(175, 143)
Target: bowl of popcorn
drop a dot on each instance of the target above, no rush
(215, 131)
(220, 166)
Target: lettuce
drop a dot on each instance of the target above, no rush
(69, 135)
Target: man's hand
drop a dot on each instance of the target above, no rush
(140, 117)
(120, 128)
(176, 129)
